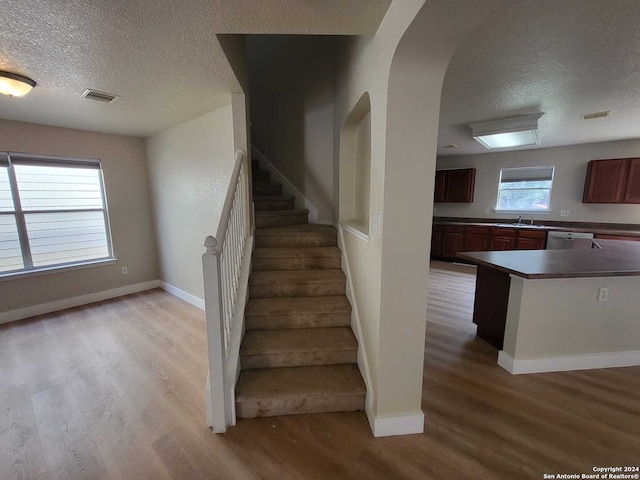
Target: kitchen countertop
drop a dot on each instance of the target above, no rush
(617, 258)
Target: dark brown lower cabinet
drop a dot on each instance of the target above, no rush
(437, 241)
(531, 240)
(477, 239)
(453, 241)
(502, 239)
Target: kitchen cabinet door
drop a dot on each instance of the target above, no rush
(530, 244)
(453, 243)
(476, 242)
(437, 241)
(605, 181)
(440, 186)
(502, 243)
(460, 185)
(632, 191)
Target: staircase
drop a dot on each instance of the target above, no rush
(298, 354)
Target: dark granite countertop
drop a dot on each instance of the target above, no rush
(617, 258)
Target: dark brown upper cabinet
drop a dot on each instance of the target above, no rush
(613, 181)
(632, 192)
(455, 185)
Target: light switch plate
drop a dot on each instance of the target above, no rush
(377, 223)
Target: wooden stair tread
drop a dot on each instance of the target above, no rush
(295, 305)
(286, 252)
(312, 381)
(258, 342)
(296, 277)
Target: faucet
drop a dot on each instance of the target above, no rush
(519, 219)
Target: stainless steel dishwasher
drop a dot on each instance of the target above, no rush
(562, 240)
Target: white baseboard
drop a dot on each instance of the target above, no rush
(569, 362)
(182, 295)
(43, 308)
(287, 187)
(387, 426)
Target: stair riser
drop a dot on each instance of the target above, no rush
(272, 205)
(309, 240)
(297, 405)
(281, 220)
(267, 189)
(260, 176)
(298, 359)
(296, 263)
(297, 290)
(297, 320)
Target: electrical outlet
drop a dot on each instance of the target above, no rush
(564, 213)
(125, 270)
(603, 294)
(486, 210)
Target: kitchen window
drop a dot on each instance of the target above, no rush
(53, 213)
(525, 189)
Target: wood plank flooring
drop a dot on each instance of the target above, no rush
(115, 391)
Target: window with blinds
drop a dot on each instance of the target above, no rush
(526, 189)
(52, 213)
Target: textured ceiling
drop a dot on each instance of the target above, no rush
(564, 58)
(162, 57)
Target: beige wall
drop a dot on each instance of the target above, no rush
(127, 190)
(561, 317)
(189, 168)
(292, 94)
(403, 74)
(570, 172)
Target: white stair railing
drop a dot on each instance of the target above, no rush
(225, 268)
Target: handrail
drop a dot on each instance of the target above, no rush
(228, 201)
(225, 273)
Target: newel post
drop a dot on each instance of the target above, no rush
(216, 406)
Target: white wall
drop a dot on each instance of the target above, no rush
(570, 173)
(129, 201)
(548, 331)
(291, 100)
(189, 167)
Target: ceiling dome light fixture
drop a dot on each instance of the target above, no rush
(15, 85)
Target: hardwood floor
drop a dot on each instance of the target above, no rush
(115, 391)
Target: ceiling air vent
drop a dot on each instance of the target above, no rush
(99, 96)
(594, 115)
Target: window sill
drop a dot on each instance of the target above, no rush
(527, 212)
(57, 269)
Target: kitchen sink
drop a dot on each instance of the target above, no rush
(517, 225)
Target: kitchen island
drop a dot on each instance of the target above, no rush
(552, 310)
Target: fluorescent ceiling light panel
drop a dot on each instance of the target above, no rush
(508, 132)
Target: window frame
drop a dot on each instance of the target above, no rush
(527, 211)
(20, 214)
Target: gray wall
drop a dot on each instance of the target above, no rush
(291, 81)
(190, 166)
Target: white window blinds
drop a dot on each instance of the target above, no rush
(52, 213)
